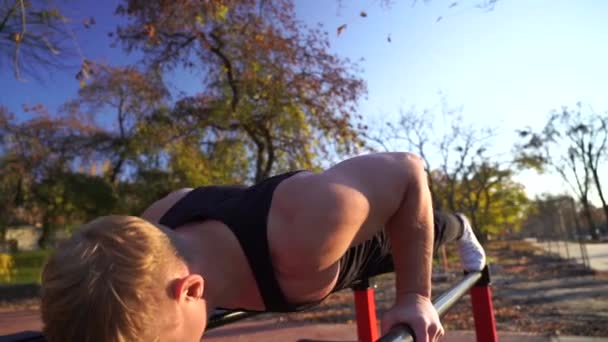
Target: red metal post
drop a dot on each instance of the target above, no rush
(483, 309)
(365, 307)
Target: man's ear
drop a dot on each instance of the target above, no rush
(190, 287)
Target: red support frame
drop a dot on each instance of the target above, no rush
(365, 308)
(481, 299)
(483, 309)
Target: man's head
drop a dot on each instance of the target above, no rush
(121, 278)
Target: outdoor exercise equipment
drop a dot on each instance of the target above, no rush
(367, 325)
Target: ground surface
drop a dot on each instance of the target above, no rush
(533, 293)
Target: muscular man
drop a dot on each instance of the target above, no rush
(281, 245)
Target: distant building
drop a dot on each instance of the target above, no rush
(25, 238)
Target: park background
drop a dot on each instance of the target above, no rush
(108, 106)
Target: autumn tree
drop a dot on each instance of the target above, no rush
(573, 144)
(40, 158)
(462, 176)
(492, 199)
(268, 81)
(447, 145)
(10, 186)
(120, 99)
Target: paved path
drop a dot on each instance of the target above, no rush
(274, 330)
(597, 252)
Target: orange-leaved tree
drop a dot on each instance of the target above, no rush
(270, 85)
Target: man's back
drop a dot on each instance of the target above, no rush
(241, 218)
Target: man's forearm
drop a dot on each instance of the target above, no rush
(410, 232)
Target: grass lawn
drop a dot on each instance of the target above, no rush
(22, 267)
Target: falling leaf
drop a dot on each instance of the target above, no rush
(80, 76)
(453, 4)
(388, 38)
(86, 69)
(89, 22)
(438, 19)
(17, 37)
(150, 30)
(222, 12)
(363, 14)
(341, 29)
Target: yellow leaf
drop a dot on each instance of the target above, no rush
(83, 83)
(222, 12)
(256, 66)
(17, 37)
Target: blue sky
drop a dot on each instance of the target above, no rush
(507, 67)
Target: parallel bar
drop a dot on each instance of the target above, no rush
(219, 320)
(446, 300)
(403, 333)
(399, 333)
(442, 304)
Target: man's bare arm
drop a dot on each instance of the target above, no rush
(321, 215)
(326, 213)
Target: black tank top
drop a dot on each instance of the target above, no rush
(245, 211)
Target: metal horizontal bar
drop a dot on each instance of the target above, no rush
(221, 319)
(443, 303)
(446, 300)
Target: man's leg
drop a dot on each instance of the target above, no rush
(448, 227)
(374, 255)
(456, 227)
(472, 255)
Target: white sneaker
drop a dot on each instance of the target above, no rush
(472, 255)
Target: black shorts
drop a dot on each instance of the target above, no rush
(373, 257)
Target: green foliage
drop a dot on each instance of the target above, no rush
(22, 267)
(128, 97)
(39, 154)
(271, 88)
(272, 98)
(464, 179)
(492, 200)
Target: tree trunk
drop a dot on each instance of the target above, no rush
(589, 217)
(575, 217)
(598, 186)
(47, 233)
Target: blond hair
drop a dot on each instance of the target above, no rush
(102, 284)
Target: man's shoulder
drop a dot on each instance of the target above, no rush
(157, 209)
